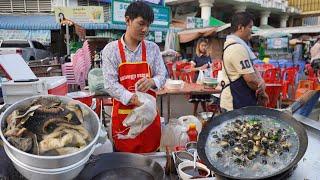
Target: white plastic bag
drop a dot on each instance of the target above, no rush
(187, 120)
(170, 135)
(200, 77)
(140, 117)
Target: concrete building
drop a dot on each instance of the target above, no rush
(310, 12)
(268, 13)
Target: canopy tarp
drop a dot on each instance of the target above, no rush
(293, 30)
(192, 34)
(28, 22)
(215, 22)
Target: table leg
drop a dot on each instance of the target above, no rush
(168, 106)
(161, 106)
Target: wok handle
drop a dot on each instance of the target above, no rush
(301, 101)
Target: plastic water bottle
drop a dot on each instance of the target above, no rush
(183, 138)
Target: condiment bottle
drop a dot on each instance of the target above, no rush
(192, 132)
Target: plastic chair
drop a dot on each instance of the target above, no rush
(309, 70)
(272, 75)
(187, 74)
(179, 66)
(69, 70)
(101, 102)
(216, 67)
(169, 66)
(303, 87)
(268, 66)
(288, 80)
(273, 92)
(77, 70)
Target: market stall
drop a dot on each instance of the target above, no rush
(154, 165)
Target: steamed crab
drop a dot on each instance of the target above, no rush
(47, 126)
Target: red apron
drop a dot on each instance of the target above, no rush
(129, 74)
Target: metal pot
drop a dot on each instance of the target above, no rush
(91, 123)
(69, 172)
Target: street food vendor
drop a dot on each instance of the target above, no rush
(242, 84)
(128, 62)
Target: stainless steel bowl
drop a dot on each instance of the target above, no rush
(191, 146)
(181, 156)
(91, 123)
(205, 117)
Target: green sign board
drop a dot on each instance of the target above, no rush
(161, 13)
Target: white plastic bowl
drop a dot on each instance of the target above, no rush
(174, 84)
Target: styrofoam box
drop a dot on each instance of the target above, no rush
(15, 91)
(57, 85)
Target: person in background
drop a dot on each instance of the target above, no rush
(315, 63)
(242, 84)
(261, 50)
(315, 57)
(202, 61)
(133, 62)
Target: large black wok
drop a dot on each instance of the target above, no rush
(281, 116)
(124, 166)
(272, 113)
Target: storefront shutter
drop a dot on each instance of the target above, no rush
(25, 6)
(18, 5)
(5, 6)
(32, 6)
(44, 5)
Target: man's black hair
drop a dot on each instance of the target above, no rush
(140, 9)
(241, 19)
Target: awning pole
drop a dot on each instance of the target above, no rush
(67, 33)
(68, 39)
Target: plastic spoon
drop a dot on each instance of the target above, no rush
(195, 168)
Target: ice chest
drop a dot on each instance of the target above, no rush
(57, 85)
(15, 91)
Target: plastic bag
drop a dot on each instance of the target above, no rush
(208, 73)
(186, 120)
(140, 117)
(96, 81)
(171, 134)
(200, 77)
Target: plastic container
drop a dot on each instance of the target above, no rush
(81, 96)
(96, 81)
(57, 85)
(183, 138)
(192, 132)
(15, 91)
(170, 135)
(174, 84)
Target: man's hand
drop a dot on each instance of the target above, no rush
(261, 88)
(144, 84)
(204, 67)
(263, 99)
(135, 100)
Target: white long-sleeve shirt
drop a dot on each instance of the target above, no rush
(111, 60)
(315, 51)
